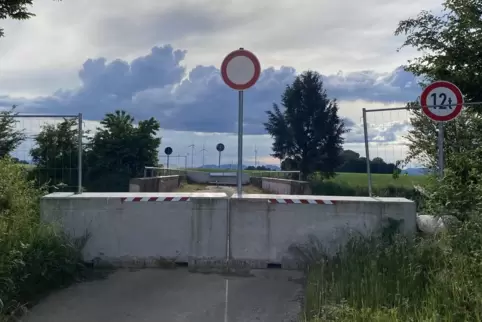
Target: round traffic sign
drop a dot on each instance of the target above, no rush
(168, 150)
(240, 69)
(220, 147)
(442, 101)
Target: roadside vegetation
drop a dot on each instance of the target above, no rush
(436, 278)
(34, 257)
(393, 278)
(401, 279)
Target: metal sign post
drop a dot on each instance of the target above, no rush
(240, 70)
(440, 146)
(220, 148)
(168, 152)
(239, 172)
(441, 101)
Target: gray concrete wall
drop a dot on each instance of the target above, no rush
(285, 186)
(262, 232)
(146, 229)
(155, 184)
(143, 232)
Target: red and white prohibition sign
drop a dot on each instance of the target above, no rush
(240, 69)
(442, 101)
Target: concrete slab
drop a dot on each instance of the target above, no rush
(154, 295)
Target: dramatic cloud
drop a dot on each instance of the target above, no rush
(43, 53)
(158, 85)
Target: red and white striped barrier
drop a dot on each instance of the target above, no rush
(153, 199)
(302, 201)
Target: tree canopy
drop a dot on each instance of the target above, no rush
(117, 152)
(120, 150)
(15, 9)
(353, 163)
(56, 154)
(307, 130)
(450, 46)
(10, 136)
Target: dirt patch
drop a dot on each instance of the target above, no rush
(230, 190)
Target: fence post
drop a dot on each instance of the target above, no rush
(79, 154)
(367, 152)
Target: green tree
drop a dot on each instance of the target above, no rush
(56, 155)
(120, 150)
(308, 131)
(15, 9)
(259, 168)
(450, 45)
(349, 155)
(10, 136)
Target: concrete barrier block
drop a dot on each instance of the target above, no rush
(277, 186)
(264, 228)
(209, 229)
(141, 229)
(402, 210)
(249, 232)
(285, 186)
(155, 184)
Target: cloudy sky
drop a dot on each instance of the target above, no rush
(162, 59)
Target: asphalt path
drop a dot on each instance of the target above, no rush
(156, 295)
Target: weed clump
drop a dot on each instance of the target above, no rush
(34, 257)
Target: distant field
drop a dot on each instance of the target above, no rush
(352, 179)
(378, 180)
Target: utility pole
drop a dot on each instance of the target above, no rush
(192, 154)
(255, 156)
(203, 150)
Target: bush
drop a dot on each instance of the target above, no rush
(400, 279)
(34, 258)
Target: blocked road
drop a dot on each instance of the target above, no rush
(155, 295)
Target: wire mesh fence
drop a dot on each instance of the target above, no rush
(51, 150)
(173, 161)
(386, 138)
(386, 148)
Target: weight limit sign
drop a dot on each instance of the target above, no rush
(441, 101)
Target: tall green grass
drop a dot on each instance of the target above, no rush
(34, 258)
(426, 279)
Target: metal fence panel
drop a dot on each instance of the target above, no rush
(380, 121)
(384, 130)
(57, 163)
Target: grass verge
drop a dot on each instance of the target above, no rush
(34, 257)
(397, 279)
